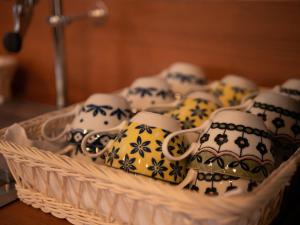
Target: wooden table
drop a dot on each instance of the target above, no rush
(18, 213)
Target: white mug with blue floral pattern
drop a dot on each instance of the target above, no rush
(290, 88)
(233, 152)
(148, 92)
(98, 112)
(281, 115)
(184, 77)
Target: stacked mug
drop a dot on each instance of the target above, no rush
(218, 138)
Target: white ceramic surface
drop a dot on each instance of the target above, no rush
(290, 88)
(184, 77)
(147, 92)
(279, 112)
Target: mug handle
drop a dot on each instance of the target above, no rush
(118, 128)
(67, 128)
(190, 177)
(249, 96)
(193, 147)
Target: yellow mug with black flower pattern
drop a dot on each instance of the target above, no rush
(232, 89)
(195, 109)
(138, 147)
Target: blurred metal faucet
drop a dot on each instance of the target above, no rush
(22, 12)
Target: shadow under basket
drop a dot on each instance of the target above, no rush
(86, 193)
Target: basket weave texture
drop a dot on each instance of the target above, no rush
(86, 193)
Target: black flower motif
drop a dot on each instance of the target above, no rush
(278, 122)
(221, 139)
(201, 113)
(238, 90)
(194, 188)
(175, 116)
(212, 191)
(127, 164)
(98, 109)
(157, 168)
(122, 134)
(261, 147)
(144, 128)
(263, 116)
(242, 142)
(234, 101)
(251, 185)
(218, 92)
(100, 141)
(184, 78)
(144, 91)
(197, 157)
(176, 170)
(159, 148)
(140, 147)
(187, 123)
(181, 148)
(119, 113)
(200, 81)
(200, 100)
(164, 93)
(296, 129)
(113, 154)
(230, 188)
(204, 138)
(166, 133)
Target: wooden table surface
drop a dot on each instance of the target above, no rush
(18, 213)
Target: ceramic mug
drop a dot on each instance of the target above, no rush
(281, 115)
(138, 147)
(148, 92)
(195, 109)
(98, 112)
(232, 89)
(290, 88)
(184, 77)
(233, 143)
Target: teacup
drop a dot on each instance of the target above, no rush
(233, 143)
(232, 89)
(98, 112)
(290, 88)
(195, 109)
(148, 92)
(281, 115)
(184, 77)
(138, 147)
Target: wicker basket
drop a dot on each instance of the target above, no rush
(86, 193)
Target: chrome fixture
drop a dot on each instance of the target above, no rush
(22, 12)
